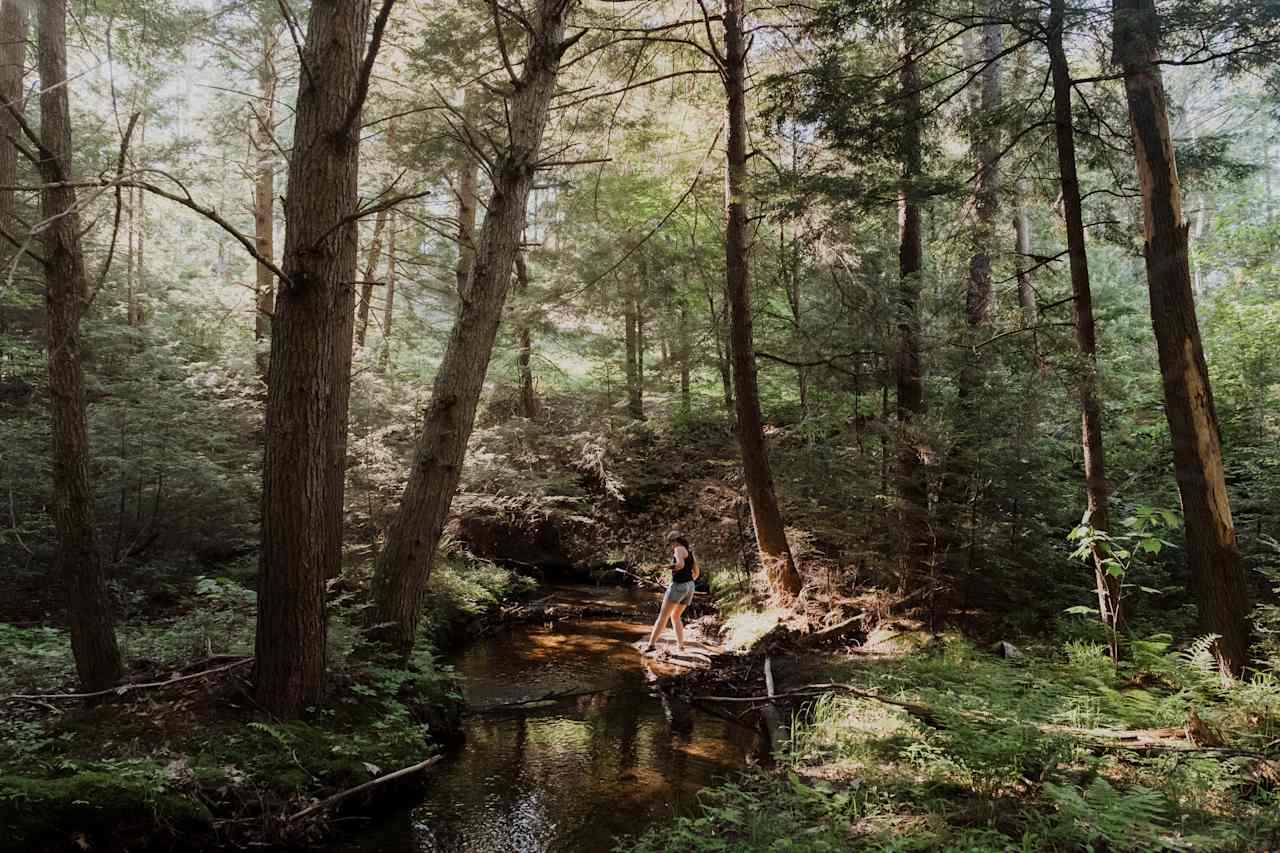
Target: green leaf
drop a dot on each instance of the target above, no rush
(1081, 610)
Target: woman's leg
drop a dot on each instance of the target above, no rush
(679, 626)
(662, 620)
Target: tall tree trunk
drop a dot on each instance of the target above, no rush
(771, 537)
(961, 480)
(366, 283)
(13, 63)
(468, 176)
(404, 565)
(1212, 554)
(686, 355)
(388, 307)
(912, 488)
(986, 183)
(1095, 477)
(137, 255)
(264, 202)
(635, 394)
(724, 356)
(1022, 249)
(310, 369)
(524, 357)
(89, 610)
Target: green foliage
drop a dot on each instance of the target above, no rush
(1014, 766)
(1128, 820)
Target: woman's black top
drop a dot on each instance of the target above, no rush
(682, 573)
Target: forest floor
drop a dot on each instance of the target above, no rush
(184, 756)
(970, 715)
(906, 738)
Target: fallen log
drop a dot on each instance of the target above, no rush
(546, 697)
(920, 712)
(122, 689)
(329, 802)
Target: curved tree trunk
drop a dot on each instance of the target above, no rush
(912, 488)
(1095, 476)
(404, 566)
(771, 537)
(93, 641)
(1212, 554)
(310, 370)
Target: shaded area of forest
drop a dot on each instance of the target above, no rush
(939, 329)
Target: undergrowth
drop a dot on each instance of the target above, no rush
(1020, 761)
(198, 756)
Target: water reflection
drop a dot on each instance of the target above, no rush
(573, 776)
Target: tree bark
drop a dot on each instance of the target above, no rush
(13, 64)
(912, 488)
(264, 202)
(468, 175)
(366, 283)
(771, 538)
(986, 184)
(1022, 248)
(89, 610)
(389, 306)
(404, 566)
(524, 356)
(137, 257)
(310, 369)
(686, 355)
(1095, 478)
(635, 392)
(1212, 553)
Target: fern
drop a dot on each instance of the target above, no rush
(1125, 820)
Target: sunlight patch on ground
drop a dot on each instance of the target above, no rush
(742, 630)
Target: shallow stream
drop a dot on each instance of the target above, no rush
(570, 775)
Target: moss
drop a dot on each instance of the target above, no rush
(105, 807)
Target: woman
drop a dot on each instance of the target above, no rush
(679, 594)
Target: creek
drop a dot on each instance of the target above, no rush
(567, 775)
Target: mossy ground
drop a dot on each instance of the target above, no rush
(198, 763)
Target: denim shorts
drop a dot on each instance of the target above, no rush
(680, 593)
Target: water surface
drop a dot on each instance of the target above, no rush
(571, 775)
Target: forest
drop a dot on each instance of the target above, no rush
(362, 360)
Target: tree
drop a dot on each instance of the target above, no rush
(468, 176)
(366, 283)
(524, 353)
(633, 319)
(389, 300)
(907, 368)
(771, 536)
(263, 142)
(1213, 556)
(1095, 477)
(404, 565)
(13, 52)
(310, 370)
(93, 641)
